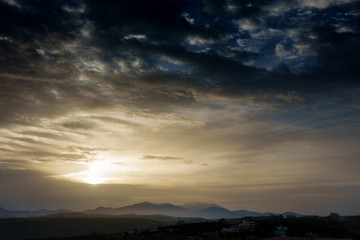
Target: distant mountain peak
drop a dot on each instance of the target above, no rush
(104, 208)
(198, 205)
(167, 204)
(145, 203)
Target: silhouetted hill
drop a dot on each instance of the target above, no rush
(246, 213)
(4, 213)
(198, 206)
(304, 228)
(75, 215)
(215, 212)
(75, 224)
(200, 210)
(292, 214)
(143, 208)
(210, 210)
(45, 227)
(155, 217)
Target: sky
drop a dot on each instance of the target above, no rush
(248, 104)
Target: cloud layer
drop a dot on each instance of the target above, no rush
(243, 96)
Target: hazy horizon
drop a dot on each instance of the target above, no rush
(247, 104)
(180, 205)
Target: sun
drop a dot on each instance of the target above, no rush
(94, 180)
(96, 172)
(104, 169)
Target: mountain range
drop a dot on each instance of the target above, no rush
(5, 213)
(199, 210)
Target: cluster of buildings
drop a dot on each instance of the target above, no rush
(240, 225)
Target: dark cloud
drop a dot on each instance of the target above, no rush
(114, 120)
(87, 149)
(45, 42)
(169, 158)
(46, 135)
(29, 141)
(61, 57)
(32, 38)
(227, 74)
(150, 157)
(76, 125)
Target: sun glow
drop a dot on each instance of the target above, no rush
(94, 180)
(103, 169)
(97, 172)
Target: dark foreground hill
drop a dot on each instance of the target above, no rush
(304, 228)
(67, 225)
